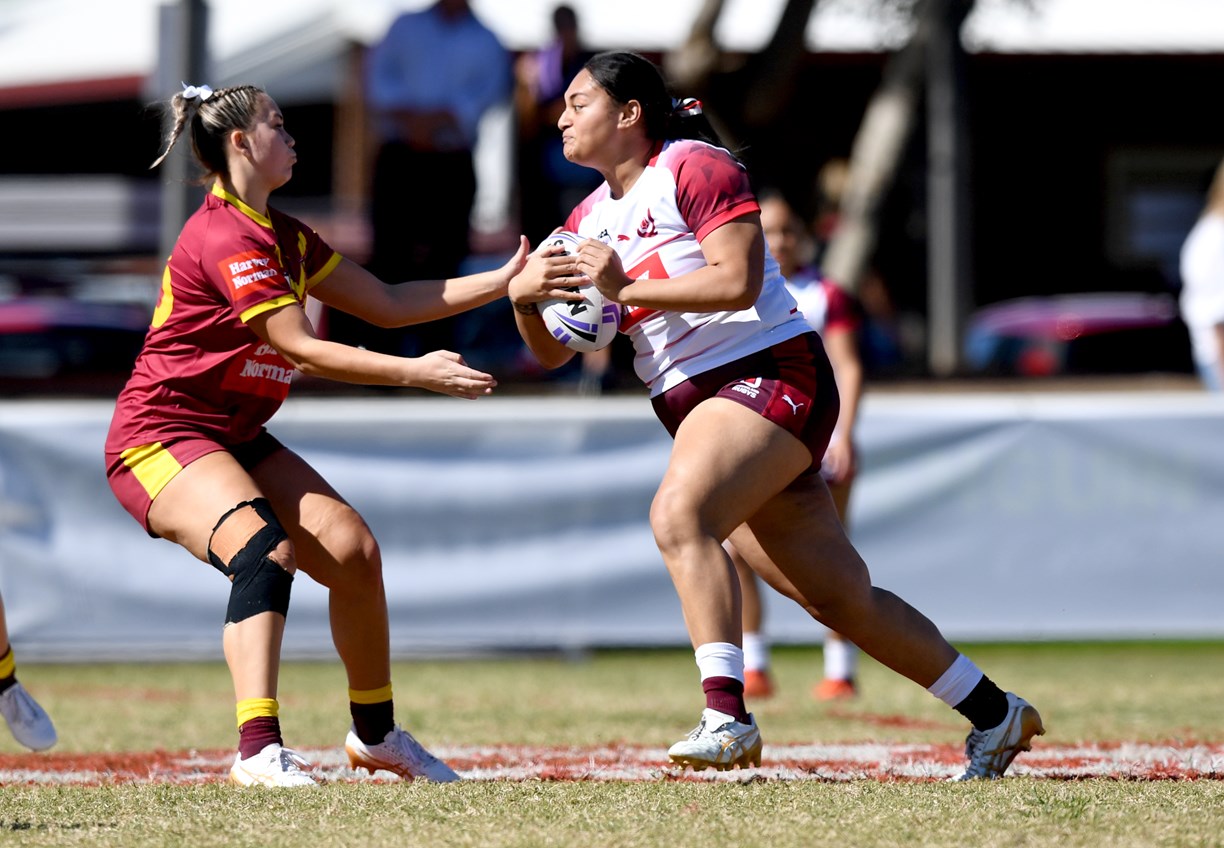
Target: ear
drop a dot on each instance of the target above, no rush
(630, 114)
(239, 140)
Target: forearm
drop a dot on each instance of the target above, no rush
(428, 300)
(346, 364)
(547, 350)
(850, 390)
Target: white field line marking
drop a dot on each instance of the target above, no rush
(845, 762)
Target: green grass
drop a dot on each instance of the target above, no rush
(865, 814)
(1153, 692)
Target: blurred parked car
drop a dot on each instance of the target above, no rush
(54, 344)
(1093, 333)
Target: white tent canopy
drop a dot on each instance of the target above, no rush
(293, 45)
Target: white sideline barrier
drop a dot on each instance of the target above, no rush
(521, 523)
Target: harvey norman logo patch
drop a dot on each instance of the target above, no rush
(249, 272)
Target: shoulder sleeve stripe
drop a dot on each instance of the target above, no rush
(322, 273)
(740, 209)
(267, 306)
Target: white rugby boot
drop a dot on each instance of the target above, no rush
(275, 766)
(990, 752)
(29, 723)
(719, 742)
(400, 753)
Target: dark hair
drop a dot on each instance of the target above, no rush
(629, 76)
(212, 117)
(564, 17)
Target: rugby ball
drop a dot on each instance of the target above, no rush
(581, 325)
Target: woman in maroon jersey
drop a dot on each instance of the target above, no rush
(187, 453)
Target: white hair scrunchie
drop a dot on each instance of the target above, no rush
(191, 92)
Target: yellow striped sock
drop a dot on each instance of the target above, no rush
(250, 708)
(370, 696)
(8, 664)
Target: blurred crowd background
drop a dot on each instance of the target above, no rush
(1004, 185)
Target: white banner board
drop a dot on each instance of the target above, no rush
(521, 523)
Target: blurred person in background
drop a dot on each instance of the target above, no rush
(832, 313)
(188, 454)
(27, 721)
(429, 81)
(549, 184)
(1202, 293)
(744, 387)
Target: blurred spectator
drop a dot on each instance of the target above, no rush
(830, 187)
(1202, 294)
(835, 315)
(881, 334)
(428, 82)
(549, 184)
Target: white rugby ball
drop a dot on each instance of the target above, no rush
(581, 325)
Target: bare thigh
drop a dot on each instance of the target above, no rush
(798, 545)
(189, 507)
(726, 464)
(329, 536)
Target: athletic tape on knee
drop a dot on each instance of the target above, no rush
(259, 583)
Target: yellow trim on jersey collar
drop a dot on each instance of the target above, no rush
(257, 217)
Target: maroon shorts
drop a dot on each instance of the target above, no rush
(137, 475)
(790, 384)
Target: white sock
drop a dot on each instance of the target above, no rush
(756, 652)
(840, 659)
(955, 684)
(720, 659)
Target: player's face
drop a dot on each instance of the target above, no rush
(271, 147)
(781, 233)
(589, 123)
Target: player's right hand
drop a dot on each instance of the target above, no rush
(445, 372)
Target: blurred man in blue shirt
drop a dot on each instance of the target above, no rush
(429, 82)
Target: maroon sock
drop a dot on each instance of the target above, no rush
(726, 694)
(372, 722)
(258, 733)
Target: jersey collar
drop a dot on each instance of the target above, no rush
(257, 217)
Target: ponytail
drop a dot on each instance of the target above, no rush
(629, 76)
(211, 116)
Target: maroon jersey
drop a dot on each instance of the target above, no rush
(202, 370)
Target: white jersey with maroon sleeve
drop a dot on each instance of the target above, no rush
(825, 305)
(687, 191)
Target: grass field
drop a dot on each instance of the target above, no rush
(570, 752)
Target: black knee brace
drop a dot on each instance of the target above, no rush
(259, 583)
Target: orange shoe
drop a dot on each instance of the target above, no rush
(757, 684)
(833, 689)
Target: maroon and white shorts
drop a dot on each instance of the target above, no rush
(790, 384)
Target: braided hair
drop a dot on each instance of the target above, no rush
(212, 115)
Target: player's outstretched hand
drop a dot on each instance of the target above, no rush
(445, 372)
(516, 262)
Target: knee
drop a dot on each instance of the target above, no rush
(354, 550)
(675, 521)
(249, 546)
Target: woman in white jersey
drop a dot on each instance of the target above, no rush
(830, 311)
(744, 387)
